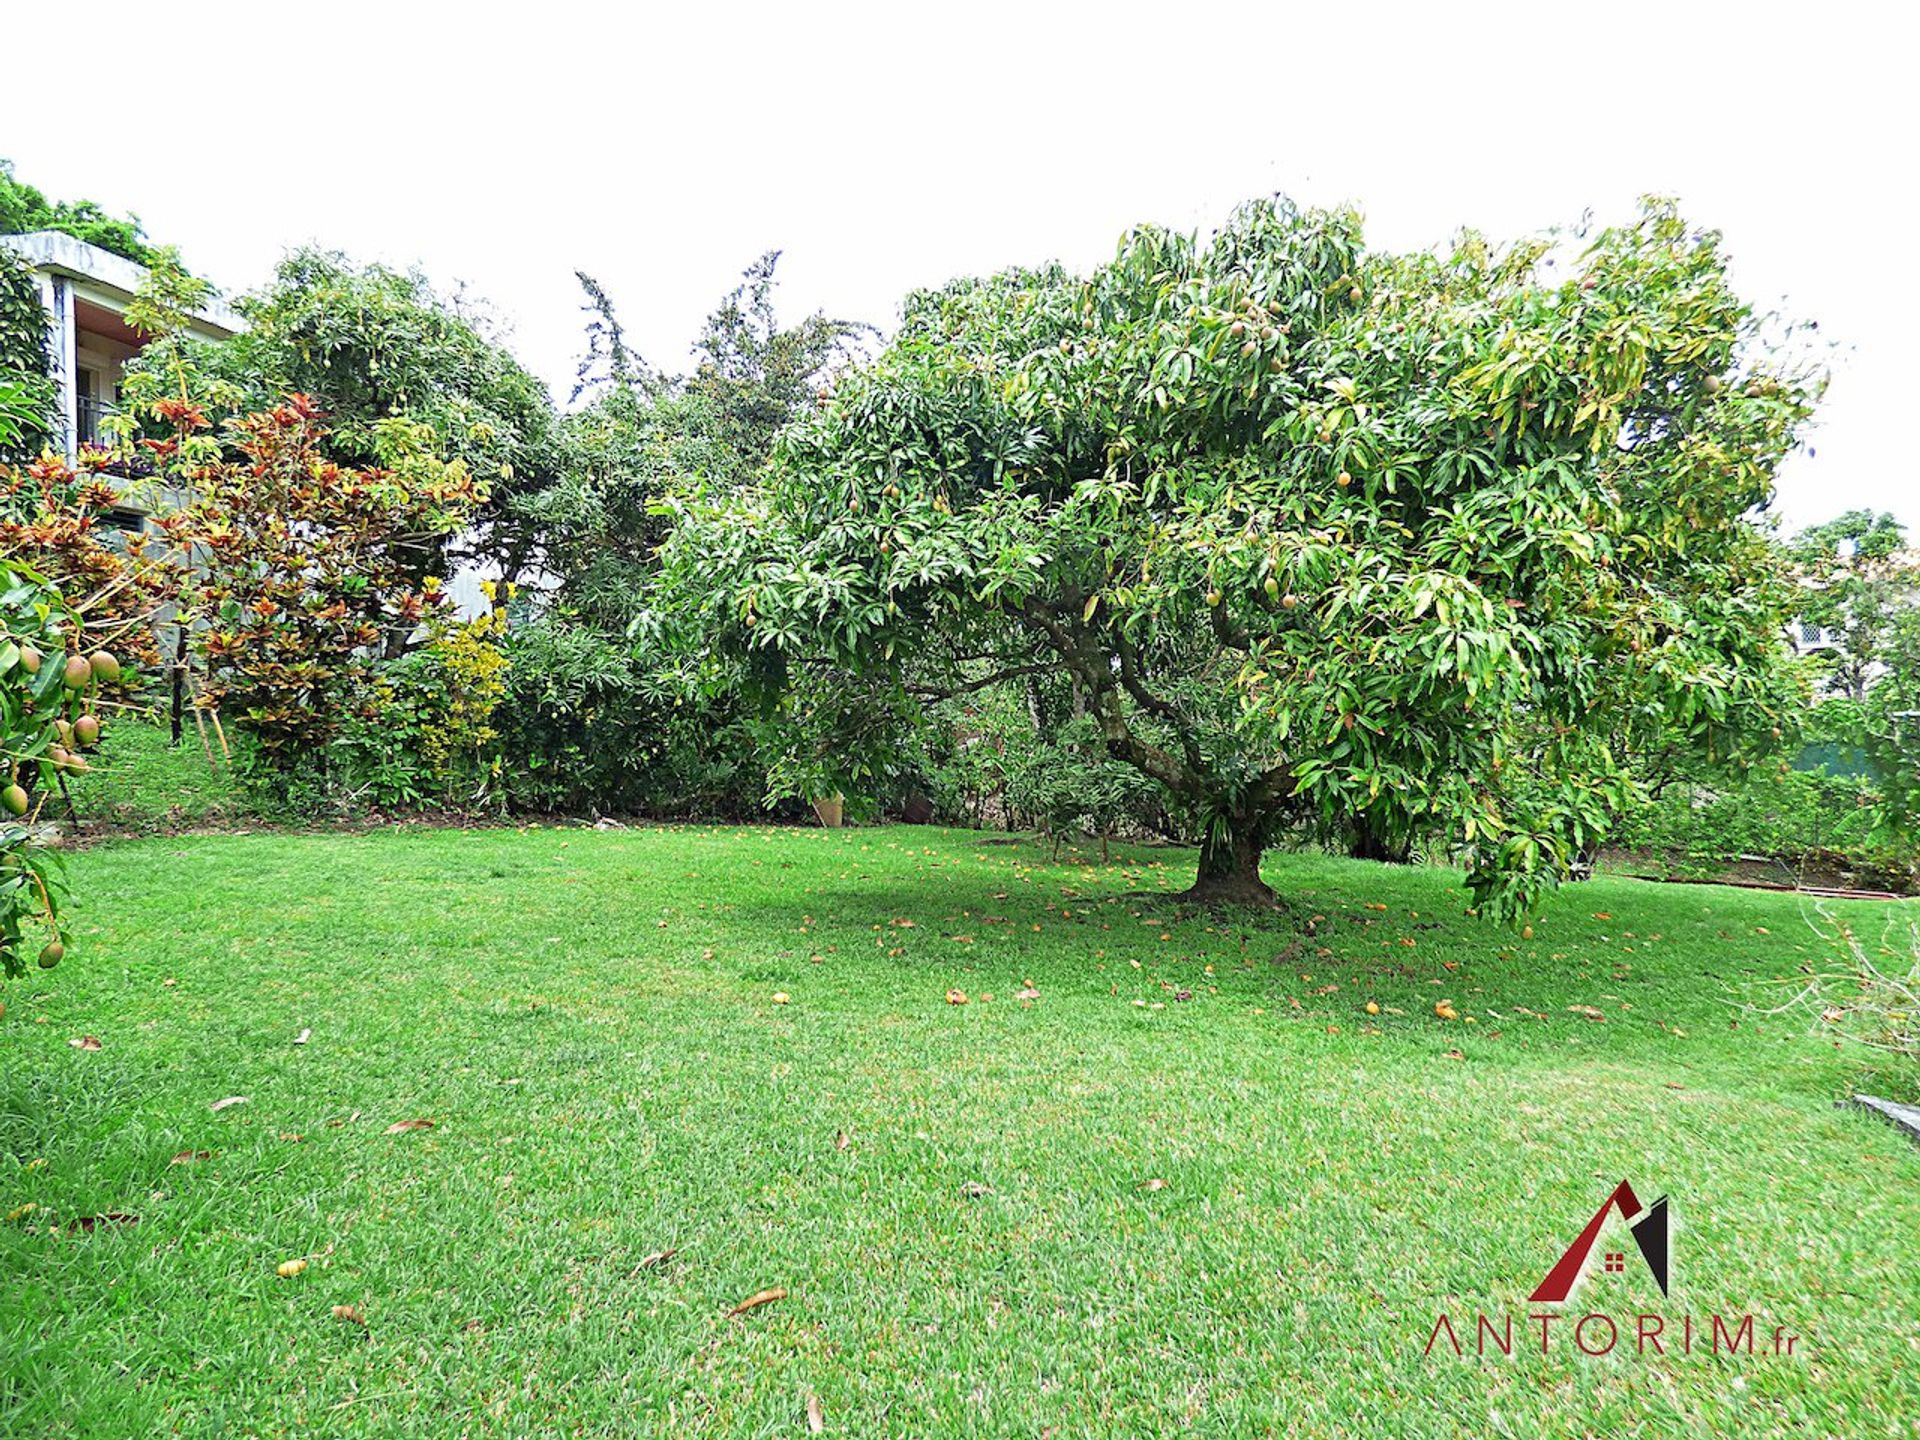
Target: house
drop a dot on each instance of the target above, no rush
(86, 291)
(1808, 637)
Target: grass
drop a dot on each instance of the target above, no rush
(588, 1018)
(138, 781)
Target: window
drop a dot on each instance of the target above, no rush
(88, 409)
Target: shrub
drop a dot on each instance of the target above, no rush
(1069, 786)
(962, 762)
(421, 732)
(1872, 998)
(592, 724)
(1792, 817)
(987, 763)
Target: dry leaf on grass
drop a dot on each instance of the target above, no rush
(956, 997)
(780, 997)
(840, 1140)
(755, 1301)
(1588, 1011)
(351, 1314)
(974, 1189)
(658, 1257)
(816, 1417)
(400, 1127)
(287, 1269)
(303, 1037)
(85, 1042)
(1028, 994)
(220, 1105)
(113, 1217)
(1154, 1184)
(187, 1157)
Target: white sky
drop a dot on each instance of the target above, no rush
(884, 147)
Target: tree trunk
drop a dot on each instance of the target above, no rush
(1585, 861)
(1366, 841)
(179, 678)
(1230, 870)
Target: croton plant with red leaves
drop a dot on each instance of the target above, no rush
(303, 571)
(56, 519)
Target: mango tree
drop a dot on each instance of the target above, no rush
(46, 723)
(1317, 535)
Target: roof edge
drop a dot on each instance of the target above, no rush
(56, 252)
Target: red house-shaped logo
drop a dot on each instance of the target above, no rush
(1649, 1226)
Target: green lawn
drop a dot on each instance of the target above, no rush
(140, 782)
(954, 1197)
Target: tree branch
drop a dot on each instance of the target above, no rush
(1094, 676)
(938, 692)
(1230, 635)
(1136, 686)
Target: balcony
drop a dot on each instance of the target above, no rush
(88, 416)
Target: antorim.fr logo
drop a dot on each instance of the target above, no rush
(1600, 1331)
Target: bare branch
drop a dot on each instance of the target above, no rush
(943, 692)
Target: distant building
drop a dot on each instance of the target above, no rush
(1808, 637)
(86, 291)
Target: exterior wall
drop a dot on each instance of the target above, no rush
(466, 597)
(464, 594)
